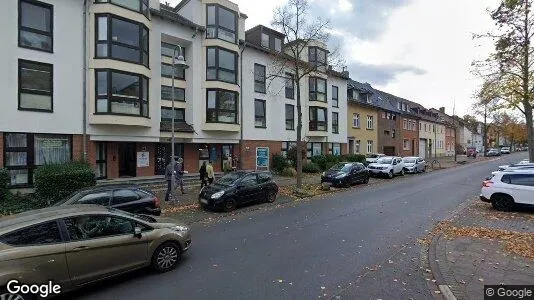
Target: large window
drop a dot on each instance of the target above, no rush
(166, 71)
(221, 24)
(23, 152)
(370, 122)
(121, 39)
(168, 50)
(166, 93)
(35, 86)
(317, 56)
(335, 96)
(121, 93)
(265, 40)
(335, 122)
(355, 120)
(290, 86)
(318, 119)
(140, 6)
(290, 117)
(369, 146)
(260, 119)
(221, 65)
(36, 25)
(221, 107)
(259, 79)
(317, 89)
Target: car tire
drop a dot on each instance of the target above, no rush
(229, 205)
(402, 172)
(502, 202)
(390, 174)
(166, 257)
(271, 197)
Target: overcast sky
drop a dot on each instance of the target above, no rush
(420, 50)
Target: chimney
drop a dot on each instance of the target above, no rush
(442, 109)
(345, 73)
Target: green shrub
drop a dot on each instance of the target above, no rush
(354, 158)
(4, 182)
(292, 156)
(289, 172)
(280, 163)
(17, 203)
(311, 167)
(57, 181)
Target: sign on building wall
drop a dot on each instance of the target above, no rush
(143, 159)
(262, 157)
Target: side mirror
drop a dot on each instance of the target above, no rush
(137, 232)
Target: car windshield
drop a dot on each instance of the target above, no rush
(229, 179)
(145, 218)
(385, 160)
(73, 196)
(341, 167)
(410, 160)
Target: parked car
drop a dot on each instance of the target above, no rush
(237, 188)
(516, 167)
(471, 152)
(373, 157)
(75, 245)
(346, 174)
(388, 166)
(506, 189)
(505, 150)
(127, 197)
(413, 164)
(493, 152)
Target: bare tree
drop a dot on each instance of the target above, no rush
(294, 21)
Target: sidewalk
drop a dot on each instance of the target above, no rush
(481, 246)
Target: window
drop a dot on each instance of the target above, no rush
(399, 106)
(121, 93)
(166, 114)
(290, 117)
(314, 149)
(121, 39)
(425, 127)
(221, 107)
(286, 146)
(290, 86)
(35, 86)
(166, 71)
(140, 6)
(259, 114)
(393, 133)
(265, 40)
(99, 198)
(36, 25)
(124, 196)
(336, 148)
(335, 96)
(259, 79)
(40, 234)
(221, 65)
(370, 146)
(51, 149)
(317, 89)
(317, 56)
(249, 180)
(370, 122)
(101, 160)
(355, 120)
(277, 44)
(318, 119)
(406, 144)
(335, 122)
(91, 227)
(405, 124)
(221, 24)
(167, 50)
(166, 93)
(357, 145)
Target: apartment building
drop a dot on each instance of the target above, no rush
(450, 131)
(389, 124)
(431, 132)
(362, 118)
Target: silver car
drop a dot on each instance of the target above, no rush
(414, 164)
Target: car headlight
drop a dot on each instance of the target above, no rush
(180, 228)
(217, 195)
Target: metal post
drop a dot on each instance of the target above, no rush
(173, 160)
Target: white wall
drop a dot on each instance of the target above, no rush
(341, 110)
(67, 61)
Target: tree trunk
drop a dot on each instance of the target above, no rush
(299, 134)
(530, 130)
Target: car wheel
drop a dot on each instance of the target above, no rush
(271, 197)
(390, 174)
(229, 205)
(402, 172)
(166, 257)
(502, 202)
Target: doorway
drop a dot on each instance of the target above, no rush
(351, 146)
(127, 160)
(413, 147)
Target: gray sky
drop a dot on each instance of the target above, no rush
(417, 49)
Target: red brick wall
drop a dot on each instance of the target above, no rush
(1, 149)
(248, 157)
(151, 169)
(113, 159)
(191, 158)
(91, 153)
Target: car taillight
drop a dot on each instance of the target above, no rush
(487, 183)
(156, 201)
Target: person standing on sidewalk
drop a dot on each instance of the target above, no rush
(210, 173)
(203, 175)
(169, 172)
(180, 174)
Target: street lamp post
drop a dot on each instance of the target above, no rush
(180, 63)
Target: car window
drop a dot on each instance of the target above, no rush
(91, 227)
(100, 198)
(40, 234)
(124, 196)
(505, 178)
(249, 180)
(264, 177)
(358, 167)
(522, 179)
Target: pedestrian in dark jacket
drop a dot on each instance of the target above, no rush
(180, 174)
(169, 172)
(203, 175)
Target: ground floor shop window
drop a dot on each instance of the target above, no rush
(334, 148)
(227, 156)
(286, 146)
(314, 149)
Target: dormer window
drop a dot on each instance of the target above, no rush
(317, 55)
(221, 24)
(265, 40)
(399, 106)
(277, 44)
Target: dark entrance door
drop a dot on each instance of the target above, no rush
(162, 155)
(127, 160)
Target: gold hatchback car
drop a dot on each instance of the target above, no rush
(71, 246)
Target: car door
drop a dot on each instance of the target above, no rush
(357, 173)
(102, 245)
(248, 189)
(127, 200)
(264, 182)
(523, 185)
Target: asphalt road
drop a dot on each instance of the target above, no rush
(359, 244)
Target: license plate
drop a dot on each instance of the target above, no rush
(204, 201)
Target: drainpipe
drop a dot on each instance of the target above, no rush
(84, 89)
(241, 106)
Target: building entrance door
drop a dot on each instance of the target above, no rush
(127, 160)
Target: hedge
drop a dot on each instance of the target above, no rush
(4, 183)
(57, 181)
(311, 167)
(325, 162)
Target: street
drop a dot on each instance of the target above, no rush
(350, 245)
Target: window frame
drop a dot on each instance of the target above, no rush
(292, 120)
(370, 144)
(264, 81)
(170, 87)
(256, 116)
(32, 30)
(20, 89)
(356, 117)
(176, 77)
(62, 238)
(313, 94)
(370, 120)
(217, 68)
(217, 110)
(162, 119)
(335, 125)
(406, 144)
(109, 94)
(314, 124)
(335, 101)
(140, 11)
(216, 25)
(357, 146)
(104, 147)
(317, 50)
(109, 40)
(289, 77)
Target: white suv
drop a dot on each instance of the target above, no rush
(387, 166)
(505, 189)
